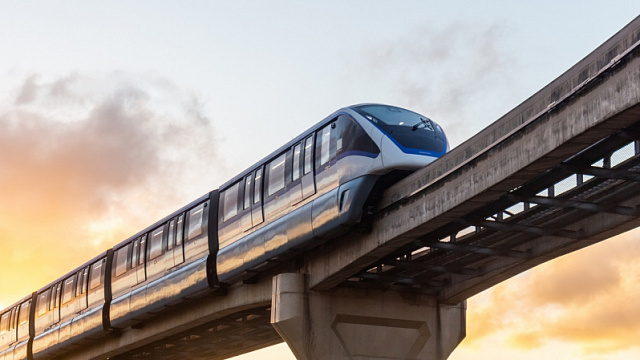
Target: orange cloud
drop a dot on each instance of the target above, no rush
(86, 162)
(587, 298)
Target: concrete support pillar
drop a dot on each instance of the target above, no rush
(363, 324)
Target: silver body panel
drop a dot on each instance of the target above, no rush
(85, 325)
(141, 303)
(179, 273)
(318, 216)
(15, 352)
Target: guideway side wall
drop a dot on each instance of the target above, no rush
(363, 324)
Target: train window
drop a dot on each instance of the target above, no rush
(68, 289)
(324, 145)
(122, 260)
(275, 174)
(247, 191)
(195, 221)
(77, 288)
(14, 318)
(135, 253)
(297, 154)
(79, 283)
(23, 317)
(155, 243)
(97, 270)
(308, 155)
(172, 234)
(55, 296)
(325, 155)
(352, 138)
(143, 244)
(43, 302)
(230, 205)
(180, 225)
(83, 280)
(257, 188)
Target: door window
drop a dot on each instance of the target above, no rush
(155, 243)
(257, 189)
(297, 154)
(275, 174)
(308, 155)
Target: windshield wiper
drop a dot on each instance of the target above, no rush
(422, 122)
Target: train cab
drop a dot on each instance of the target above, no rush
(407, 139)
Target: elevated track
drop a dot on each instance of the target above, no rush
(559, 172)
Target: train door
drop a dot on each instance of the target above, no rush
(14, 324)
(257, 216)
(43, 318)
(246, 221)
(96, 286)
(47, 312)
(81, 287)
(326, 144)
(4, 327)
(178, 247)
(69, 302)
(276, 197)
(7, 327)
(159, 258)
(308, 180)
(175, 249)
(23, 320)
(137, 258)
(123, 270)
(295, 187)
(56, 291)
(195, 241)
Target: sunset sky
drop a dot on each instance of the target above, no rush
(115, 113)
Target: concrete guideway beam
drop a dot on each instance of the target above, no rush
(167, 328)
(363, 324)
(598, 112)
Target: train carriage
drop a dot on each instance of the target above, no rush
(163, 264)
(69, 311)
(313, 188)
(316, 186)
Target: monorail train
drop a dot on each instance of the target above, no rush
(315, 187)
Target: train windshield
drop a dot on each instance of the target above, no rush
(410, 130)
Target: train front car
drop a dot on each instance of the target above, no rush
(316, 186)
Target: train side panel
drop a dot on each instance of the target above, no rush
(315, 189)
(68, 312)
(174, 256)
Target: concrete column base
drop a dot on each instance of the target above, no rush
(359, 324)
